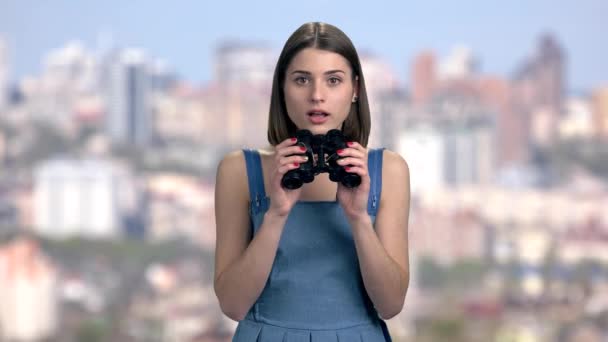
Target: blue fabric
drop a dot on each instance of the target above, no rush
(374, 165)
(315, 291)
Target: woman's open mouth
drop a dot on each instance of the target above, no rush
(317, 117)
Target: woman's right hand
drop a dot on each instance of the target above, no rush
(288, 156)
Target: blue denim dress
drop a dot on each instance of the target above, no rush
(315, 291)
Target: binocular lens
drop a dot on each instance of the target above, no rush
(291, 183)
(351, 180)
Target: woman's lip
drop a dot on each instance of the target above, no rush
(318, 119)
(316, 111)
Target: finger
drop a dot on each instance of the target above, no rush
(352, 152)
(356, 169)
(351, 161)
(284, 168)
(355, 145)
(293, 159)
(289, 150)
(286, 142)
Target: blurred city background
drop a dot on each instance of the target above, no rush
(113, 118)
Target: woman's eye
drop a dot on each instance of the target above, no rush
(301, 80)
(334, 80)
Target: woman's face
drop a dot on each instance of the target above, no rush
(319, 90)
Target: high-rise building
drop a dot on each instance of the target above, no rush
(512, 142)
(87, 198)
(70, 70)
(423, 76)
(29, 303)
(449, 152)
(600, 112)
(460, 64)
(469, 154)
(538, 92)
(578, 119)
(550, 72)
(244, 63)
(393, 108)
(69, 75)
(4, 69)
(380, 82)
(219, 128)
(380, 76)
(423, 147)
(129, 97)
(494, 92)
(162, 76)
(182, 117)
(240, 99)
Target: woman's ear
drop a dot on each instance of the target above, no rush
(355, 89)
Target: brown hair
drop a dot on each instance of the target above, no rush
(324, 37)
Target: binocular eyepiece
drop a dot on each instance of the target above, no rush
(322, 154)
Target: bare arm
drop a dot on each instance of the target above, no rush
(383, 253)
(243, 263)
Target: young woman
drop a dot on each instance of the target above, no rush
(323, 262)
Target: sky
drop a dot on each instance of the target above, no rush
(185, 33)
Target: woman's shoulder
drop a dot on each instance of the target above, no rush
(393, 164)
(233, 169)
(395, 177)
(233, 163)
(231, 175)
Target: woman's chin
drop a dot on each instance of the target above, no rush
(319, 129)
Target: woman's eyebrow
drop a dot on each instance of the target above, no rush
(325, 73)
(300, 72)
(334, 72)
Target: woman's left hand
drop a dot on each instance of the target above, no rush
(354, 200)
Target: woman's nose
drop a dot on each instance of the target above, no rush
(317, 93)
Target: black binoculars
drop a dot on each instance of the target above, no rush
(322, 154)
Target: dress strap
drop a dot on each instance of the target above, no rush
(255, 177)
(374, 165)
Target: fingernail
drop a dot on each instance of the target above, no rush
(305, 158)
(302, 148)
(340, 151)
(293, 139)
(350, 143)
(347, 168)
(296, 164)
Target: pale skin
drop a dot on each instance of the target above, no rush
(315, 79)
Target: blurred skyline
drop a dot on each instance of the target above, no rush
(108, 161)
(185, 34)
